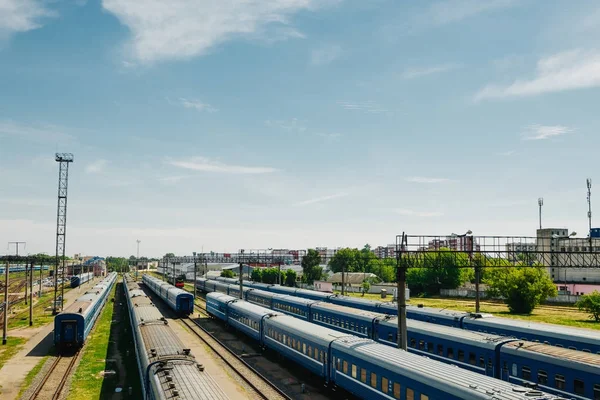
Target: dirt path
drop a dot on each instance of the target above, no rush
(39, 343)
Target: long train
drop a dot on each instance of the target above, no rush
(360, 366)
(78, 280)
(73, 324)
(20, 268)
(167, 369)
(563, 372)
(586, 340)
(179, 300)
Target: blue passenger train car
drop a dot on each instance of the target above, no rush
(73, 324)
(78, 280)
(179, 300)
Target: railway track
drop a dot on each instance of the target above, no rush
(52, 384)
(263, 388)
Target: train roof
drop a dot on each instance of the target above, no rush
(347, 311)
(251, 309)
(304, 329)
(473, 338)
(575, 358)
(437, 312)
(314, 293)
(191, 383)
(221, 297)
(294, 300)
(456, 381)
(582, 335)
(284, 289)
(264, 293)
(355, 300)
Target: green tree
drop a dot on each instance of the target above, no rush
(269, 275)
(346, 259)
(439, 269)
(256, 275)
(366, 260)
(590, 303)
(118, 264)
(385, 269)
(290, 278)
(168, 255)
(310, 266)
(365, 287)
(227, 273)
(522, 288)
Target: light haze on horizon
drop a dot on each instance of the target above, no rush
(221, 125)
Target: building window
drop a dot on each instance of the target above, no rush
(579, 387)
(542, 377)
(526, 373)
(559, 381)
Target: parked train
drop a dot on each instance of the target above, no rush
(181, 301)
(21, 268)
(167, 368)
(73, 324)
(362, 367)
(563, 372)
(77, 280)
(562, 336)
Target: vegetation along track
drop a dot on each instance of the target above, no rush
(53, 383)
(264, 388)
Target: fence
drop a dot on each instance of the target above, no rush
(469, 293)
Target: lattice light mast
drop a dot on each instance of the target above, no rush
(63, 160)
(540, 204)
(589, 200)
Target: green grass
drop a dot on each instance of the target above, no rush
(87, 381)
(551, 314)
(12, 346)
(31, 375)
(40, 315)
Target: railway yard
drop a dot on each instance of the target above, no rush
(122, 338)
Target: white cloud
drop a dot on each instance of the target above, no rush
(541, 132)
(321, 199)
(422, 179)
(207, 165)
(507, 153)
(325, 55)
(292, 125)
(197, 105)
(575, 69)
(364, 106)
(412, 73)
(413, 213)
(96, 167)
(21, 16)
(181, 29)
(330, 136)
(443, 12)
(35, 133)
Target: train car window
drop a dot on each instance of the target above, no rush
(336, 363)
(450, 352)
(579, 386)
(559, 381)
(421, 345)
(384, 384)
(304, 348)
(596, 392)
(390, 337)
(397, 391)
(542, 377)
(363, 375)
(461, 355)
(424, 397)
(293, 343)
(410, 394)
(354, 371)
(481, 362)
(430, 347)
(472, 359)
(373, 380)
(310, 353)
(345, 364)
(526, 373)
(440, 349)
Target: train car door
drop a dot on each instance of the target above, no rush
(68, 331)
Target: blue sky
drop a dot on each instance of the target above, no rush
(222, 124)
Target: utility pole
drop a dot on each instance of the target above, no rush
(540, 204)
(401, 291)
(64, 159)
(195, 269)
(241, 274)
(589, 200)
(5, 303)
(27, 280)
(137, 260)
(31, 296)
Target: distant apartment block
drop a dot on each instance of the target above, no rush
(388, 251)
(515, 250)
